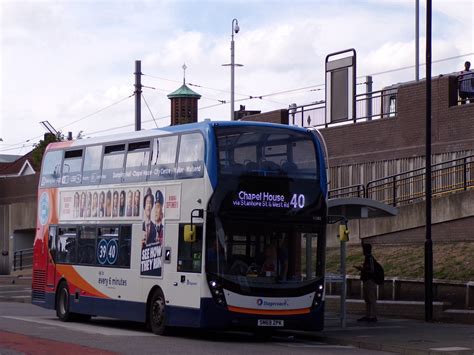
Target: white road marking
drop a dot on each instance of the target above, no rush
(314, 345)
(362, 328)
(89, 328)
(452, 348)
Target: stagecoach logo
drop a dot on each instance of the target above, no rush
(261, 302)
(44, 208)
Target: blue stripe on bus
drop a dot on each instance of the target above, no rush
(210, 315)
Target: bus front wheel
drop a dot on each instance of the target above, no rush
(62, 303)
(157, 313)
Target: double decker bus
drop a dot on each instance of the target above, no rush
(209, 225)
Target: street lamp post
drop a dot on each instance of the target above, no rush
(235, 28)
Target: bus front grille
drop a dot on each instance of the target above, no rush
(38, 286)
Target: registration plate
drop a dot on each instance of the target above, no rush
(270, 323)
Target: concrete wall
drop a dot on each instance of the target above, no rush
(4, 240)
(452, 217)
(18, 200)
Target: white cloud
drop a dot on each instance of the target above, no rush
(63, 60)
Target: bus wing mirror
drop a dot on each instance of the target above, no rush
(343, 233)
(189, 233)
(190, 229)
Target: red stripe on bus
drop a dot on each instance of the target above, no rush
(73, 277)
(270, 312)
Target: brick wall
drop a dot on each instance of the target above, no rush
(278, 116)
(365, 151)
(403, 136)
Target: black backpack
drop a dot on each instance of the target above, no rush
(379, 275)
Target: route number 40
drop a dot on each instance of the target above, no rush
(297, 201)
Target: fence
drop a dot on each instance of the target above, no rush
(369, 106)
(408, 187)
(23, 259)
(457, 294)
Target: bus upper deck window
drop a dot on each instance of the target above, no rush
(91, 169)
(191, 156)
(112, 165)
(163, 160)
(50, 172)
(138, 158)
(72, 168)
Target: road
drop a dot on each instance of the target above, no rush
(28, 329)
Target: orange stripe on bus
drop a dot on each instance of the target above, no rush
(77, 280)
(270, 312)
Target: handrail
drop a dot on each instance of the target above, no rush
(407, 187)
(370, 105)
(23, 259)
(348, 191)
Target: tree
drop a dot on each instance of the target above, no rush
(40, 147)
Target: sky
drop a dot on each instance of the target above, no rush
(71, 63)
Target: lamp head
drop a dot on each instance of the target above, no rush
(236, 27)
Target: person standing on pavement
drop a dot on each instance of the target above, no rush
(369, 287)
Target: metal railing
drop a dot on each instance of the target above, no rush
(23, 259)
(466, 89)
(369, 106)
(348, 191)
(408, 187)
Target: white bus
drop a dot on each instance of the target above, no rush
(210, 225)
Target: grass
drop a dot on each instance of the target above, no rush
(451, 261)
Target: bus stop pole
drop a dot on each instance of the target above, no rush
(343, 284)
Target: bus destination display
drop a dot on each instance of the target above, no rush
(265, 199)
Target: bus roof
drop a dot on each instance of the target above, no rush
(203, 126)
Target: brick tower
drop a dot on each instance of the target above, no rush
(184, 104)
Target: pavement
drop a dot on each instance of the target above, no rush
(401, 336)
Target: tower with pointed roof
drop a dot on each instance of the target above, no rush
(184, 104)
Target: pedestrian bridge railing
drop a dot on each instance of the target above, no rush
(408, 187)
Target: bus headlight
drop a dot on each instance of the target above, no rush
(318, 295)
(217, 293)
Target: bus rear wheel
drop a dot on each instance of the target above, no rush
(62, 306)
(62, 303)
(156, 315)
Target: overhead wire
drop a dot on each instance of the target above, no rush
(98, 111)
(149, 110)
(222, 102)
(20, 145)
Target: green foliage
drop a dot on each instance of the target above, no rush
(40, 147)
(451, 261)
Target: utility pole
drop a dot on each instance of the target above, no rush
(428, 241)
(138, 95)
(417, 40)
(368, 102)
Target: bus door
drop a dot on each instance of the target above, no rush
(50, 263)
(186, 280)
